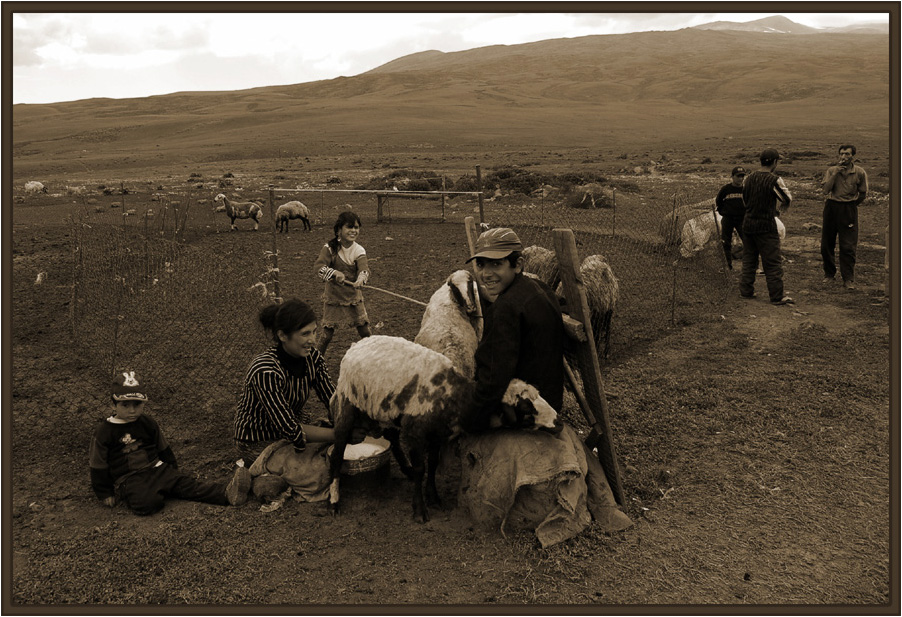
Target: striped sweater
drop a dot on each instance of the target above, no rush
(276, 388)
(761, 191)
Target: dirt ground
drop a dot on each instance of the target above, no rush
(755, 445)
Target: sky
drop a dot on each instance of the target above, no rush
(71, 56)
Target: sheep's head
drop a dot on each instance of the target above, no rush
(219, 197)
(464, 291)
(525, 408)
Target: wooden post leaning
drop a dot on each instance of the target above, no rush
(600, 436)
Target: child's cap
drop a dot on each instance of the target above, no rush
(738, 171)
(127, 387)
(496, 243)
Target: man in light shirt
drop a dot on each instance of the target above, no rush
(846, 186)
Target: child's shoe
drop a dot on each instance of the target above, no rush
(239, 486)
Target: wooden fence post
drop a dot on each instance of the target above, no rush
(470, 226)
(600, 436)
(277, 291)
(479, 188)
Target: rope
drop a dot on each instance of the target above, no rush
(391, 293)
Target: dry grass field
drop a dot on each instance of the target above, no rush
(755, 439)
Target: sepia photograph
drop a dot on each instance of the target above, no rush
(451, 308)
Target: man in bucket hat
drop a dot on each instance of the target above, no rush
(523, 336)
(131, 460)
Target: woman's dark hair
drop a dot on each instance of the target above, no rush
(346, 217)
(290, 316)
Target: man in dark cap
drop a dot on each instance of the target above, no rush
(523, 335)
(731, 209)
(765, 195)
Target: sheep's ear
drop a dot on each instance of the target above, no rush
(458, 297)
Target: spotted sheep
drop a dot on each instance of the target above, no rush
(240, 210)
(418, 402)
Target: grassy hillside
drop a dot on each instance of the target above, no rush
(625, 92)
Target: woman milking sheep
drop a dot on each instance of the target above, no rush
(279, 382)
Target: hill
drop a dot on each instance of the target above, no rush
(632, 91)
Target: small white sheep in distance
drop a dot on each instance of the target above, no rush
(35, 187)
(417, 396)
(240, 210)
(292, 210)
(543, 263)
(451, 324)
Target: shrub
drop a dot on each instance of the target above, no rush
(333, 180)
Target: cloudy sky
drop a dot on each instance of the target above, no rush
(72, 56)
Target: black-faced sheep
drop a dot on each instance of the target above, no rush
(417, 395)
(452, 323)
(292, 210)
(240, 210)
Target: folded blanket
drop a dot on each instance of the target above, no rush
(536, 480)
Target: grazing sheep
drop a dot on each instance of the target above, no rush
(240, 210)
(35, 187)
(292, 210)
(415, 394)
(451, 324)
(543, 263)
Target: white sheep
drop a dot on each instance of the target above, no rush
(240, 210)
(452, 323)
(543, 263)
(292, 210)
(35, 187)
(697, 232)
(602, 294)
(417, 396)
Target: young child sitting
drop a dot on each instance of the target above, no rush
(130, 459)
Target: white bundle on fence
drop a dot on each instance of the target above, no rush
(705, 228)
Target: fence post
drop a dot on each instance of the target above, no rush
(479, 188)
(76, 255)
(596, 412)
(379, 198)
(614, 206)
(277, 291)
(443, 198)
(675, 220)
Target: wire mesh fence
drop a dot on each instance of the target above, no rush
(159, 280)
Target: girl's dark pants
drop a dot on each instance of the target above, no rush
(767, 245)
(840, 219)
(146, 491)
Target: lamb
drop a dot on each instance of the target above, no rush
(240, 210)
(543, 263)
(452, 323)
(292, 210)
(417, 396)
(35, 187)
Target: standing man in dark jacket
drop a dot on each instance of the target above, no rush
(763, 192)
(523, 335)
(846, 186)
(731, 208)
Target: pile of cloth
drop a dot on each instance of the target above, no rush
(536, 480)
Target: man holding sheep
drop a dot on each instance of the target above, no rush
(523, 335)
